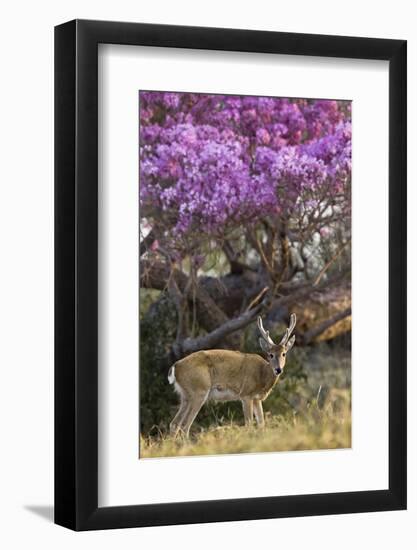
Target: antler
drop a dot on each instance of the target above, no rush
(264, 333)
(285, 338)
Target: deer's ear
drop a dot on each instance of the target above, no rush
(263, 345)
(290, 344)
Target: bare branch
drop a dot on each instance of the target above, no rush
(147, 242)
(207, 341)
(157, 275)
(304, 290)
(316, 331)
(180, 304)
(236, 266)
(256, 243)
(257, 298)
(153, 274)
(330, 262)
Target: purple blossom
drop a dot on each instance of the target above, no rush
(210, 163)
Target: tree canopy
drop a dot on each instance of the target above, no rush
(245, 206)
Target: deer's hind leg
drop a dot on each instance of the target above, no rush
(175, 425)
(248, 411)
(194, 405)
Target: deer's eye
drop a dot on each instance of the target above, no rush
(284, 354)
(271, 355)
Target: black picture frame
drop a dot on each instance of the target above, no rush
(76, 271)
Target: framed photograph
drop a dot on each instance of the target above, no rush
(230, 284)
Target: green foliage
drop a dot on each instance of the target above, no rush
(290, 385)
(157, 332)
(147, 297)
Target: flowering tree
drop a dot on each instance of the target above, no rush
(245, 206)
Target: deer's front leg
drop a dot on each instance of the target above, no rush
(259, 412)
(247, 411)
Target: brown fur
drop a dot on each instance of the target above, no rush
(224, 375)
(221, 375)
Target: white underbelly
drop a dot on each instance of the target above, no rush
(222, 394)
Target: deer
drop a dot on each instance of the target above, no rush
(225, 375)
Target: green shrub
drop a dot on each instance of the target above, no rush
(157, 332)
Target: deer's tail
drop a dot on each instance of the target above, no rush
(171, 375)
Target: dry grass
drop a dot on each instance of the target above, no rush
(328, 427)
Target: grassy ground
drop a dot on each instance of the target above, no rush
(327, 426)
